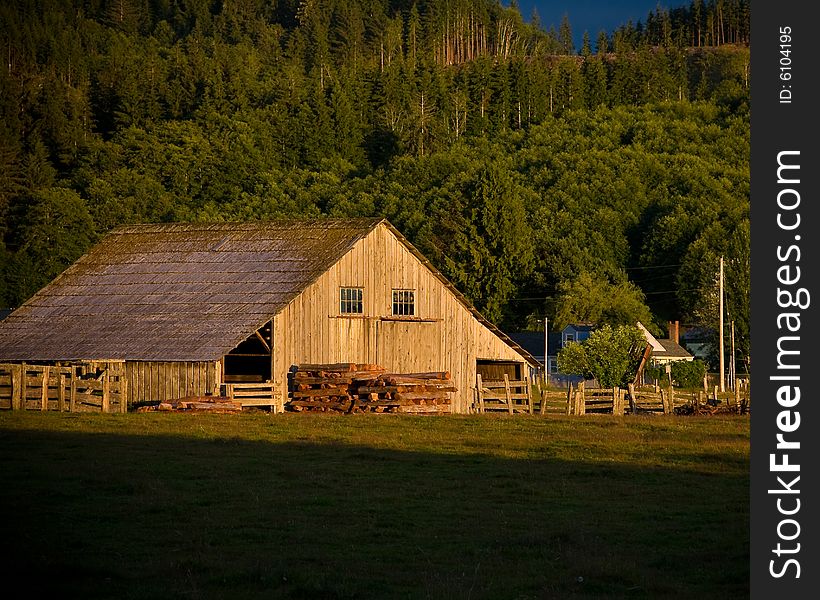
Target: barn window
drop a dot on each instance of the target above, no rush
(350, 301)
(404, 302)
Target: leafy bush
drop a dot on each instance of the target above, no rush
(656, 372)
(610, 355)
(688, 374)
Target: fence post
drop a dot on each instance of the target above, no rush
(16, 379)
(570, 400)
(617, 407)
(582, 401)
(632, 400)
(23, 386)
(738, 385)
(124, 390)
(106, 391)
(507, 393)
(666, 402)
(61, 392)
(72, 394)
(529, 393)
(480, 388)
(44, 388)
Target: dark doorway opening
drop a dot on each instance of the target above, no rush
(250, 361)
(494, 370)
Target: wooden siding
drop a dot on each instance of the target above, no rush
(163, 381)
(443, 336)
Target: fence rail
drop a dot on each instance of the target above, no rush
(76, 388)
(255, 394)
(505, 395)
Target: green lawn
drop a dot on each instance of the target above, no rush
(150, 505)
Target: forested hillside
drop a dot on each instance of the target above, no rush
(600, 182)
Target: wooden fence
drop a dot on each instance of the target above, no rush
(78, 388)
(553, 401)
(505, 395)
(665, 401)
(255, 394)
(617, 401)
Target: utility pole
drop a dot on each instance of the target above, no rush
(720, 331)
(732, 363)
(546, 348)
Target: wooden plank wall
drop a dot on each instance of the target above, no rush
(163, 381)
(444, 336)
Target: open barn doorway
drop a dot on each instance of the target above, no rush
(494, 370)
(250, 361)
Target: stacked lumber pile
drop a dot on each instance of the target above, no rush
(212, 404)
(329, 387)
(408, 392)
(352, 388)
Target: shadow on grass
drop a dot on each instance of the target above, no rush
(110, 516)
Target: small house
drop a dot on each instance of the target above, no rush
(666, 350)
(575, 332)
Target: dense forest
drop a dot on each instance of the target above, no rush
(596, 183)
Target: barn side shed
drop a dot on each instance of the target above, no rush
(188, 308)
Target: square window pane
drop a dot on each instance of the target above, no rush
(404, 302)
(350, 301)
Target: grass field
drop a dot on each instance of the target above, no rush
(323, 506)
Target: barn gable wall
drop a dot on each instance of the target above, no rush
(444, 336)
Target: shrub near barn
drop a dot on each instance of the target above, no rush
(688, 374)
(611, 355)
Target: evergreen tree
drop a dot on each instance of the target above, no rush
(565, 36)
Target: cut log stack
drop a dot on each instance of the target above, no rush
(351, 388)
(420, 393)
(329, 387)
(212, 404)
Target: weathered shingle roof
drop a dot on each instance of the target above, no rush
(185, 292)
(175, 291)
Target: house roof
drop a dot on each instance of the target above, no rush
(182, 292)
(671, 349)
(663, 348)
(533, 342)
(580, 326)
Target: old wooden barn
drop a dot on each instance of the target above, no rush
(182, 310)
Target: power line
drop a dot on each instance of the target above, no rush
(645, 294)
(652, 267)
(673, 291)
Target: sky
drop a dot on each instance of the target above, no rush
(592, 15)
